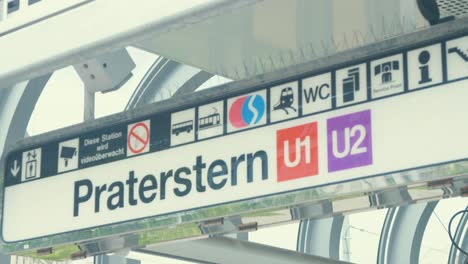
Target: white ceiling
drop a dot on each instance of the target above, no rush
(273, 34)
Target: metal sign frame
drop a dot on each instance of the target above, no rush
(190, 219)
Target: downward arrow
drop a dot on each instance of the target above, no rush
(15, 169)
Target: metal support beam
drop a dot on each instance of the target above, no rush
(191, 85)
(464, 245)
(455, 256)
(163, 80)
(226, 250)
(16, 106)
(89, 105)
(321, 237)
(402, 232)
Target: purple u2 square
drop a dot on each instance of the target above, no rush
(349, 141)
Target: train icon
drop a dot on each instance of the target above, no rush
(286, 100)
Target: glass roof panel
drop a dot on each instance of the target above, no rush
(358, 230)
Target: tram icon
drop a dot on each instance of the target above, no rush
(286, 100)
(209, 121)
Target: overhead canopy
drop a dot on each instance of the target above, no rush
(275, 34)
(236, 39)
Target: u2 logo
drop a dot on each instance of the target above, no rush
(354, 148)
(349, 141)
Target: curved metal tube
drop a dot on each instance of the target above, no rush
(455, 256)
(402, 233)
(320, 237)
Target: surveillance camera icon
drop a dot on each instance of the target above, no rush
(67, 153)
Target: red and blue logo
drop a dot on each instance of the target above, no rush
(246, 111)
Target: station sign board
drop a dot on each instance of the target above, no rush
(378, 115)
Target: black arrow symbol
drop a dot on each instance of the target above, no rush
(460, 53)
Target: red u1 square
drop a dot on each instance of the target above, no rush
(297, 152)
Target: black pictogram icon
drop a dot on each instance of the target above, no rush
(210, 121)
(286, 100)
(185, 126)
(424, 58)
(385, 69)
(31, 165)
(67, 153)
(460, 53)
(350, 85)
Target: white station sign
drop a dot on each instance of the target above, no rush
(395, 112)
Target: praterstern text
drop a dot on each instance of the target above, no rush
(149, 188)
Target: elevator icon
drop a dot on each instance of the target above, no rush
(31, 165)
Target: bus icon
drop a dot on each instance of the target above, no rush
(185, 126)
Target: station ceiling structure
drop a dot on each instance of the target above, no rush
(200, 42)
(235, 39)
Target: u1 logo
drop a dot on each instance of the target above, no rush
(297, 152)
